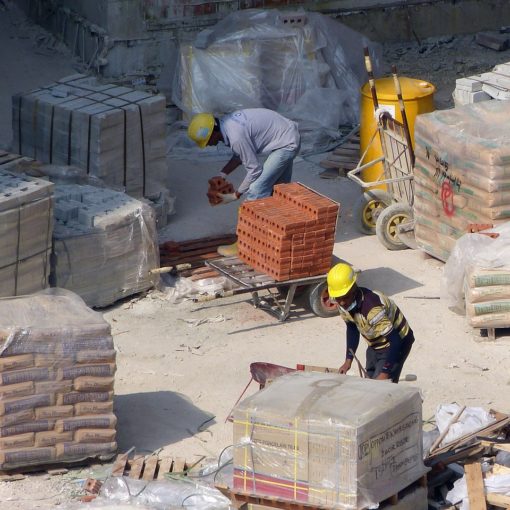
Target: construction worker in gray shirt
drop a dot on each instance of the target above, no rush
(248, 133)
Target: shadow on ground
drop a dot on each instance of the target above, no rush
(387, 280)
(157, 419)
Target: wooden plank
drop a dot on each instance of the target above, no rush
(313, 368)
(497, 500)
(329, 164)
(497, 446)
(120, 464)
(179, 465)
(342, 159)
(347, 151)
(475, 487)
(151, 463)
(498, 469)
(136, 467)
(165, 466)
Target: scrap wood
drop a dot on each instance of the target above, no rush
(503, 420)
(194, 252)
(496, 445)
(454, 419)
(498, 499)
(475, 486)
(193, 244)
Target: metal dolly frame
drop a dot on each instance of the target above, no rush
(253, 281)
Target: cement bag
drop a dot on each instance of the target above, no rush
(475, 132)
(478, 256)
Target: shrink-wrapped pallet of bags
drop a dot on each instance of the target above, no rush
(461, 174)
(57, 367)
(476, 278)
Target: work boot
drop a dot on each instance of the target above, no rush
(228, 250)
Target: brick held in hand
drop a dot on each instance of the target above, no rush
(213, 197)
(218, 185)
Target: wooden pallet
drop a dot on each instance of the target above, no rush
(342, 159)
(153, 467)
(54, 469)
(193, 252)
(246, 501)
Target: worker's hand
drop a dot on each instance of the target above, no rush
(383, 377)
(345, 367)
(227, 198)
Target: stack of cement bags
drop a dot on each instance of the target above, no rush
(105, 244)
(57, 366)
(462, 173)
(26, 226)
(487, 295)
(114, 133)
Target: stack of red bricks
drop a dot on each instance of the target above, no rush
(218, 185)
(289, 235)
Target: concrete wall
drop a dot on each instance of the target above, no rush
(138, 38)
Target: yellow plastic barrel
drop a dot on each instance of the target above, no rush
(418, 98)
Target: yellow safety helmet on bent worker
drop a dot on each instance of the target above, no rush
(200, 128)
(341, 278)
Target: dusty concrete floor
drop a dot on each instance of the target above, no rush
(177, 383)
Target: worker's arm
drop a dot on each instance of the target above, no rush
(248, 154)
(352, 337)
(234, 162)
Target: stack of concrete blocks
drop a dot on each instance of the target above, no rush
(289, 235)
(329, 441)
(114, 133)
(105, 244)
(461, 174)
(483, 87)
(26, 226)
(57, 367)
(487, 293)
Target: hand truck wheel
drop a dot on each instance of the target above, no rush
(319, 302)
(368, 208)
(387, 223)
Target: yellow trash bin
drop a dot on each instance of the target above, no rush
(418, 98)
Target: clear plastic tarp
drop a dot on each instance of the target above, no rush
(476, 278)
(328, 440)
(57, 368)
(306, 66)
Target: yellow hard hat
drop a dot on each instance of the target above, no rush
(341, 278)
(200, 128)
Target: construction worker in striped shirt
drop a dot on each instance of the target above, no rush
(377, 318)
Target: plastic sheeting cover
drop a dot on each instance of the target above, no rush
(310, 72)
(328, 439)
(473, 250)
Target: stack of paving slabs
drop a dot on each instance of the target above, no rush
(462, 173)
(328, 440)
(26, 225)
(487, 293)
(289, 235)
(114, 133)
(57, 367)
(105, 244)
(218, 185)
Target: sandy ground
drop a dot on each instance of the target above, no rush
(177, 382)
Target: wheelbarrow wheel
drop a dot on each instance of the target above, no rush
(368, 208)
(319, 302)
(388, 222)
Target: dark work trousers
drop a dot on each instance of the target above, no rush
(377, 358)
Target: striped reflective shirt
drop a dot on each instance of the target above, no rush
(376, 316)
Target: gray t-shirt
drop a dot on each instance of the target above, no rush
(257, 131)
